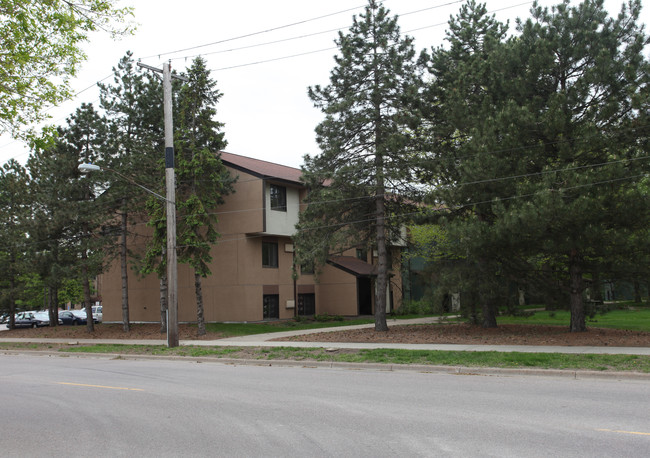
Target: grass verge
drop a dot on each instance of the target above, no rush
(593, 362)
(634, 320)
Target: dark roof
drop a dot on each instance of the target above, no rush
(261, 169)
(353, 266)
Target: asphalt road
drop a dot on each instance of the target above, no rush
(54, 406)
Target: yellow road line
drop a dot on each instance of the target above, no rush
(624, 432)
(101, 386)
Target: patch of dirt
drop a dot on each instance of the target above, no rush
(505, 334)
(109, 331)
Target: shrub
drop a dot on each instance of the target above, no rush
(326, 317)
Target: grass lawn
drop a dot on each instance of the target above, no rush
(592, 362)
(634, 320)
(631, 317)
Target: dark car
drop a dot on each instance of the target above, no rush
(43, 319)
(69, 318)
(26, 320)
(83, 315)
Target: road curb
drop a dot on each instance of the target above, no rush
(422, 368)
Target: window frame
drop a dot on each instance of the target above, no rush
(278, 196)
(270, 259)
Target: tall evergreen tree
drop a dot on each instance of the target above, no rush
(202, 179)
(554, 168)
(133, 105)
(467, 88)
(360, 183)
(67, 219)
(14, 207)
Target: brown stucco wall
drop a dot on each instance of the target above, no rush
(234, 291)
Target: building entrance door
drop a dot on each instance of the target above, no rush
(364, 295)
(306, 304)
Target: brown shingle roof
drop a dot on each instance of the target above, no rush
(262, 169)
(354, 266)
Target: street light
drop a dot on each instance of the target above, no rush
(172, 267)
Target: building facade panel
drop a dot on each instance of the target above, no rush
(244, 274)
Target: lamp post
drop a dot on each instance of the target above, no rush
(172, 266)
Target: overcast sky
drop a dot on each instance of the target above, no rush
(264, 55)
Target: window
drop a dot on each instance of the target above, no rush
(362, 254)
(271, 306)
(278, 198)
(269, 254)
(307, 268)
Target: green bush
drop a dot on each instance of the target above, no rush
(420, 307)
(326, 317)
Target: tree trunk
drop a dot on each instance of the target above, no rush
(126, 325)
(200, 321)
(488, 305)
(382, 264)
(578, 321)
(52, 307)
(596, 292)
(90, 325)
(12, 291)
(488, 311)
(12, 304)
(637, 292)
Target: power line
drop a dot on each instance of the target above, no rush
(545, 172)
(299, 37)
(253, 33)
(318, 33)
(418, 212)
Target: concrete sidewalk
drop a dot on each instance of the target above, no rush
(265, 340)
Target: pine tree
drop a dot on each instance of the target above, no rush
(466, 90)
(360, 183)
(551, 172)
(67, 220)
(202, 179)
(14, 207)
(133, 105)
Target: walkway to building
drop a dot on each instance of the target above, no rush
(269, 340)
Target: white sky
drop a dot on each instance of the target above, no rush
(265, 107)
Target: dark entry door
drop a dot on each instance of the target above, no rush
(364, 295)
(306, 304)
(271, 306)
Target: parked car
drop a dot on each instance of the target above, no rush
(25, 320)
(70, 318)
(43, 319)
(97, 313)
(4, 318)
(81, 313)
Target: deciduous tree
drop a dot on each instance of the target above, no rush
(42, 50)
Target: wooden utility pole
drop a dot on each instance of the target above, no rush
(170, 183)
